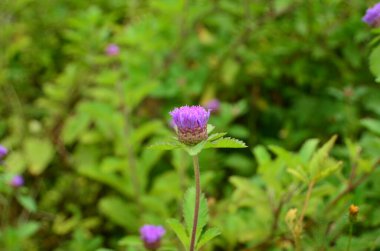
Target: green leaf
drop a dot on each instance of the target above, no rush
(17, 161)
(280, 152)
(165, 146)
(188, 212)
(374, 63)
(281, 5)
(299, 174)
(371, 124)
(195, 150)
(110, 179)
(308, 149)
(216, 136)
(225, 143)
(144, 131)
(119, 212)
(63, 225)
(207, 236)
(319, 160)
(210, 128)
(168, 249)
(27, 202)
(28, 229)
(229, 70)
(130, 241)
(261, 154)
(180, 231)
(74, 127)
(132, 99)
(331, 166)
(38, 153)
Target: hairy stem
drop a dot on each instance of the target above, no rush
(197, 199)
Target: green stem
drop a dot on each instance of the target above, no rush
(197, 200)
(306, 203)
(299, 225)
(350, 236)
(297, 242)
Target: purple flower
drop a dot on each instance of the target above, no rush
(191, 123)
(151, 236)
(213, 105)
(112, 50)
(3, 151)
(372, 16)
(17, 181)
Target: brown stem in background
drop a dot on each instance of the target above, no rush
(55, 131)
(264, 245)
(352, 185)
(197, 200)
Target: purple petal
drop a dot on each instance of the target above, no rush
(17, 181)
(372, 16)
(3, 151)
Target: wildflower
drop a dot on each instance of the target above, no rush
(3, 151)
(151, 236)
(213, 105)
(191, 123)
(112, 50)
(17, 181)
(353, 212)
(372, 16)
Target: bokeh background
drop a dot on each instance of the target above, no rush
(86, 86)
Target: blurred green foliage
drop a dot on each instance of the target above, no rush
(77, 121)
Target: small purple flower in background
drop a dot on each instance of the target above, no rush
(213, 105)
(191, 122)
(151, 236)
(372, 16)
(17, 181)
(112, 50)
(3, 151)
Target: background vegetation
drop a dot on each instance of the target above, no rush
(77, 120)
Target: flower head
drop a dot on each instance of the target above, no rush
(213, 105)
(151, 236)
(17, 181)
(372, 16)
(3, 151)
(191, 123)
(112, 50)
(353, 212)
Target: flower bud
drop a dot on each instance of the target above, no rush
(191, 123)
(353, 212)
(151, 236)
